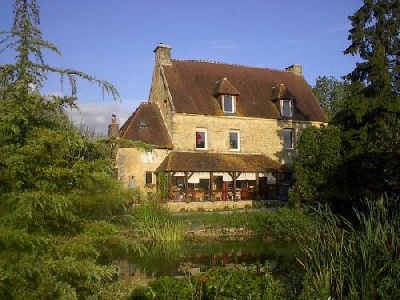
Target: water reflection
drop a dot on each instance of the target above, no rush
(164, 259)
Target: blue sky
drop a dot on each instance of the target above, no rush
(114, 40)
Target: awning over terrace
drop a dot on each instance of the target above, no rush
(194, 166)
(217, 162)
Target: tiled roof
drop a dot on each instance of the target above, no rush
(217, 162)
(147, 125)
(281, 92)
(223, 86)
(192, 85)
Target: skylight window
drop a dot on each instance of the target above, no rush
(142, 123)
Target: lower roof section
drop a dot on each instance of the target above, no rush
(217, 162)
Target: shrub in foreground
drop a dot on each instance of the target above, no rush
(230, 282)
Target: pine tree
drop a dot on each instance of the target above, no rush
(370, 115)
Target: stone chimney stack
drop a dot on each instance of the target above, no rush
(296, 69)
(163, 54)
(113, 128)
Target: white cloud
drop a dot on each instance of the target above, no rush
(97, 116)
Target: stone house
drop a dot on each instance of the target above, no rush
(219, 131)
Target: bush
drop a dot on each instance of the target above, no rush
(231, 282)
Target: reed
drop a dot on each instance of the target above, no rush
(152, 220)
(349, 261)
(279, 224)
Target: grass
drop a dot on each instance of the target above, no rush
(281, 224)
(150, 220)
(154, 221)
(349, 261)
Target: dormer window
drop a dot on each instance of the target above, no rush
(229, 104)
(284, 100)
(227, 95)
(142, 123)
(286, 108)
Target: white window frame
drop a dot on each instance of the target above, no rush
(233, 99)
(283, 112)
(288, 133)
(237, 132)
(201, 130)
(147, 156)
(150, 156)
(151, 177)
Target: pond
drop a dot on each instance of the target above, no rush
(164, 259)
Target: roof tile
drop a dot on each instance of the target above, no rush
(192, 85)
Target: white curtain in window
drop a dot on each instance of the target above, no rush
(195, 178)
(250, 176)
(204, 175)
(226, 177)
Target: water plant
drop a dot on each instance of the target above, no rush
(281, 224)
(231, 282)
(350, 261)
(153, 220)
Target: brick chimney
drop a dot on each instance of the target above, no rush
(163, 54)
(296, 69)
(113, 128)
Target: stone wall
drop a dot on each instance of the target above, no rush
(135, 162)
(209, 206)
(256, 135)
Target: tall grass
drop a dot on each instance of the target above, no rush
(355, 261)
(152, 220)
(279, 224)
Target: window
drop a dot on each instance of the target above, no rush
(234, 140)
(286, 108)
(147, 156)
(228, 104)
(149, 177)
(201, 139)
(150, 156)
(142, 123)
(132, 182)
(287, 138)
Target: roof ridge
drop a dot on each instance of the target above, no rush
(228, 64)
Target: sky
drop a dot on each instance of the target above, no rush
(114, 40)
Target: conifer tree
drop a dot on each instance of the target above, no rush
(58, 198)
(369, 118)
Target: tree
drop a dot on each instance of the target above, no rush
(375, 38)
(29, 70)
(58, 199)
(369, 115)
(330, 93)
(318, 159)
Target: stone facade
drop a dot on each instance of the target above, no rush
(257, 135)
(133, 164)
